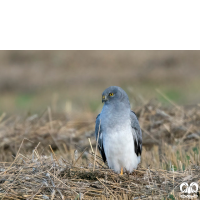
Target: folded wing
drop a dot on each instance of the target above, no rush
(99, 135)
(137, 134)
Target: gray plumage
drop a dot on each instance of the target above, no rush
(118, 131)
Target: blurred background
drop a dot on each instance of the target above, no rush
(72, 81)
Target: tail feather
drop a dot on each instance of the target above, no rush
(139, 159)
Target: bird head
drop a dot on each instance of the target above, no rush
(114, 94)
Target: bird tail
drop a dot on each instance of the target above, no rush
(139, 159)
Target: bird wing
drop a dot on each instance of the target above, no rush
(99, 135)
(137, 134)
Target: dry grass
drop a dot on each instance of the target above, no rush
(50, 157)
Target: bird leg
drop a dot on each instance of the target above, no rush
(121, 171)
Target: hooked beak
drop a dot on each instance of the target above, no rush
(104, 99)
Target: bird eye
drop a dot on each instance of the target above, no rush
(111, 94)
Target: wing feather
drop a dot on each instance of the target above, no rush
(137, 134)
(98, 131)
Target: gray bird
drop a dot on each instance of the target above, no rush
(118, 131)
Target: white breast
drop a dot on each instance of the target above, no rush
(119, 148)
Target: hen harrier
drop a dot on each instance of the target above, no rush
(118, 131)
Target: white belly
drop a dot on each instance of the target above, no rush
(119, 150)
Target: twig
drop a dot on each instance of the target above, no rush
(62, 182)
(106, 188)
(96, 146)
(54, 154)
(80, 156)
(91, 145)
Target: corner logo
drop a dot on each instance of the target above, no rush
(190, 190)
